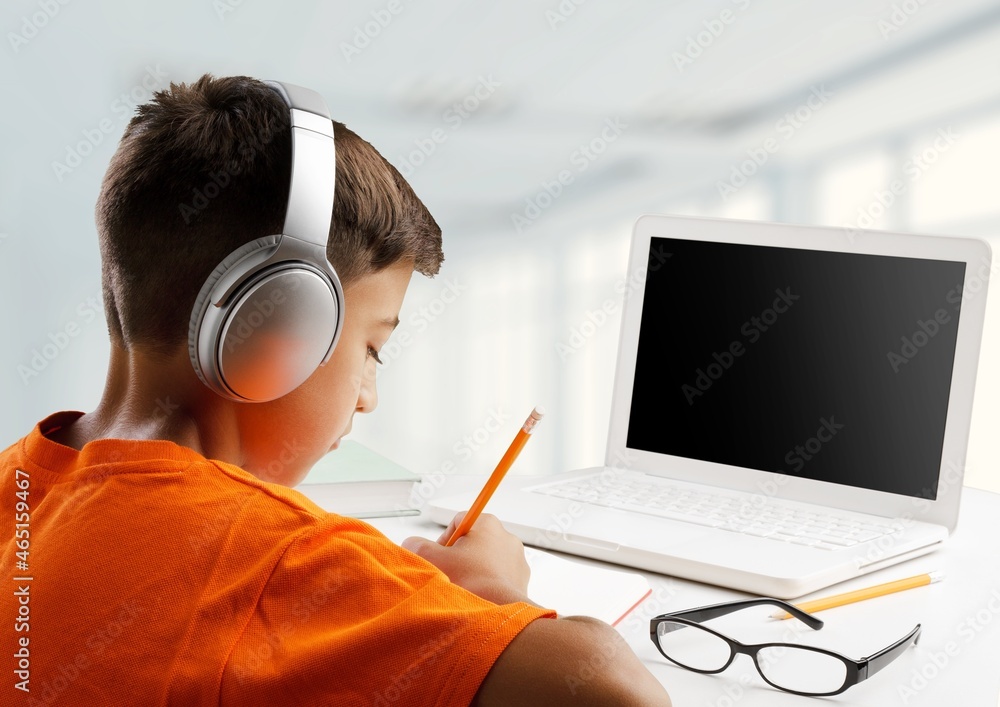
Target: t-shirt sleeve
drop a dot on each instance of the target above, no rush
(350, 618)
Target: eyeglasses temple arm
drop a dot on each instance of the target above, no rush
(713, 611)
(885, 656)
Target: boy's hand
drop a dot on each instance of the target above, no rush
(488, 561)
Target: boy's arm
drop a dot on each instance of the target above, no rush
(567, 661)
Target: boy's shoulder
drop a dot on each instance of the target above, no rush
(217, 512)
(249, 582)
(141, 479)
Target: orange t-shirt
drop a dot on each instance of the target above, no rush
(154, 576)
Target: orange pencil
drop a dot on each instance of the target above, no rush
(497, 476)
(878, 590)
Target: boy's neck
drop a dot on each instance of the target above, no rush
(156, 397)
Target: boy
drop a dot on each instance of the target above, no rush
(161, 557)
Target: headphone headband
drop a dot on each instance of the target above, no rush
(314, 159)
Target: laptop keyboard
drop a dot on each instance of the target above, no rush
(749, 514)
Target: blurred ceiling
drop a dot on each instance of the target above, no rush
(695, 85)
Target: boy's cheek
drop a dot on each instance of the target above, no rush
(281, 453)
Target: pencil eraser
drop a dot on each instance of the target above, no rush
(538, 412)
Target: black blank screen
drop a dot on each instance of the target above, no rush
(822, 365)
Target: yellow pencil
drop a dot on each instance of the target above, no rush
(496, 477)
(861, 594)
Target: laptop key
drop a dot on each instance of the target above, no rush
(845, 542)
(865, 536)
(662, 513)
(804, 540)
(760, 532)
(782, 536)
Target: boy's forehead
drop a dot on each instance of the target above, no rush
(379, 295)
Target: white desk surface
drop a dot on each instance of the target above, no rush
(956, 663)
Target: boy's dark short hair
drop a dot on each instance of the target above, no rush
(204, 168)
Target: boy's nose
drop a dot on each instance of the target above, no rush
(368, 395)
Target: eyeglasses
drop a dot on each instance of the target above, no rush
(802, 670)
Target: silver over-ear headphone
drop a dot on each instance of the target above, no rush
(271, 312)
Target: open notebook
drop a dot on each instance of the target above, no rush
(576, 589)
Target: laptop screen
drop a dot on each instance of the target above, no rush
(822, 365)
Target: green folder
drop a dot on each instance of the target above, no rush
(355, 481)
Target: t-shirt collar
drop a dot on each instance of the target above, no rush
(51, 455)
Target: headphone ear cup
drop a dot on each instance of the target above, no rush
(277, 331)
(207, 370)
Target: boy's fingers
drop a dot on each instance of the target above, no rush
(424, 548)
(413, 544)
(417, 544)
(451, 527)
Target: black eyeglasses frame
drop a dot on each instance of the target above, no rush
(856, 670)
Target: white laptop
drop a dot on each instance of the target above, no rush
(791, 408)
